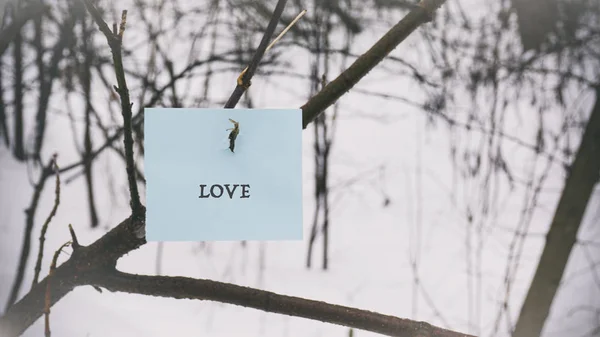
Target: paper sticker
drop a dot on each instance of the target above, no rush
(223, 174)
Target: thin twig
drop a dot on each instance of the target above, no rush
(38, 264)
(240, 88)
(18, 104)
(115, 40)
(74, 241)
(48, 77)
(100, 22)
(86, 82)
(138, 119)
(47, 297)
(29, 222)
(3, 112)
(285, 30)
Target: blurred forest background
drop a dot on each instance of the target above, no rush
(434, 190)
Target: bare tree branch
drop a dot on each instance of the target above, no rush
(366, 62)
(94, 265)
(48, 289)
(138, 119)
(101, 255)
(115, 41)
(583, 175)
(38, 263)
(8, 34)
(29, 222)
(240, 88)
(47, 77)
(183, 287)
(19, 88)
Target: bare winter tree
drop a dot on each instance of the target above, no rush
(479, 67)
(95, 264)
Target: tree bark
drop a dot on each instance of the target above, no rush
(583, 176)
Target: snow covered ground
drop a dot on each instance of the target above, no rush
(370, 244)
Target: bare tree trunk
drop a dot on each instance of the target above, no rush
(19, 148)
(583, 175)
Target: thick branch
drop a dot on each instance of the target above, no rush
(102, 254)
(182, 287)
(366, 62)
(115, 40)
(583, 176)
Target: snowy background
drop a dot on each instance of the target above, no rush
(383, 149)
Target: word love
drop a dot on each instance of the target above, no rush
(216, 191)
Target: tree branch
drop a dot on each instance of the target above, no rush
(95, 265)
(583, 175)
(38, 263)
(240, 88)
(48, 294)
(366, 62)
(199, 289)
(101, 255)
(115, 41)
(46, 171)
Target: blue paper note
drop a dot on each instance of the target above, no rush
(256, 190)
